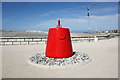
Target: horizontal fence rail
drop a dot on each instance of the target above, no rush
(27, 41)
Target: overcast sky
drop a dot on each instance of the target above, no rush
(43, 15)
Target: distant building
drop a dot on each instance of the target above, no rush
(112, 31)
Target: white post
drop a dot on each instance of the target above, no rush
(96, 39)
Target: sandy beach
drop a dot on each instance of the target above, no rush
(104, 64)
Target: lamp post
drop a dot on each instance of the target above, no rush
(88, 14)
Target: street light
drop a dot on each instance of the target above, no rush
(88, 14)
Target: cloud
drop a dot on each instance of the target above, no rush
(104, 17)
(66, 11)
(47, 14)
(81, 23)
(105, 10)
(80, 10)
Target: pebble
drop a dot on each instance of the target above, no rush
(40, 58)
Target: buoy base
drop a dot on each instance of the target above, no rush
(40, 59)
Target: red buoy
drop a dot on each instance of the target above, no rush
(59, 43)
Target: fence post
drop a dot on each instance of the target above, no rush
(32, 39)
(28, 42)
(24, 39)
(95, 38)
(41, 39)
(7, 39)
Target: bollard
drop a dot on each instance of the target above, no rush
(59, 43)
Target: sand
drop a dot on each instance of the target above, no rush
(104, 64)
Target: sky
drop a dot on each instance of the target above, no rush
(21, 16)
(60, 0)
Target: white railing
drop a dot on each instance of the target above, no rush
(27, 41)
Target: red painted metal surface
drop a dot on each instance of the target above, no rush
(58, 23)
(59, 43)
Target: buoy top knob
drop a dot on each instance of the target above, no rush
(59, 23)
